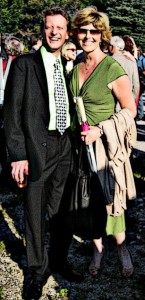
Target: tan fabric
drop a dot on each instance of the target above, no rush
(113, 164)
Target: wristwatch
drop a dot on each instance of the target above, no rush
(101, 130)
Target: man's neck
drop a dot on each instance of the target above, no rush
(55, 52)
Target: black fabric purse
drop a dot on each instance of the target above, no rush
(87, 213)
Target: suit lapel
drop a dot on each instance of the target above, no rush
(41, 75)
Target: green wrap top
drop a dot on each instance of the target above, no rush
(98, 99)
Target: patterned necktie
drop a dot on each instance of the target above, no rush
(60, 99)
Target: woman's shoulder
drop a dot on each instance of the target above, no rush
(114, 66)
(111, 61)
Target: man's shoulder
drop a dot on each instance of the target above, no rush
(121, 59)
(141, 62)
(27, 58)
(142, 58)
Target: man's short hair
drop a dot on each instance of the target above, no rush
(117, 42)
(57, 10)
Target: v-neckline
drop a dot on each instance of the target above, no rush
(80, 88)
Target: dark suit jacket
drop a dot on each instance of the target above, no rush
(26, 112)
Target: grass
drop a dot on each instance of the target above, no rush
(138, 167)
(2, 246)
(138, 164)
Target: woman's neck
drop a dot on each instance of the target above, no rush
(92, 59)
(88, 64)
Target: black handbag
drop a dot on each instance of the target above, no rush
(87, 206)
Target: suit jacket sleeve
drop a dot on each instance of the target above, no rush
(13, 104)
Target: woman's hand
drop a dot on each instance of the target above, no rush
(91, 135)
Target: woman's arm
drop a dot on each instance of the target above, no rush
(121, 88)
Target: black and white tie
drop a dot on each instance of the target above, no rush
(60, 98)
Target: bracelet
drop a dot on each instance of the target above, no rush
(101, 130)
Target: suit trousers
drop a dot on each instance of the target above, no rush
(45, 195)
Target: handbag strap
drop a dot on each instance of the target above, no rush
(83, 162)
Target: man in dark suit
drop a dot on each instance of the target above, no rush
(37, 148)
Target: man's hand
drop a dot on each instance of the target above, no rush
(19, 168)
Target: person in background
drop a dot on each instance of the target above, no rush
(131, 52)
(35, 42)
(37, 116)
(100, 80)
(130, 45)
(141, 68)
(3, 53)
(3, 156)
(69, 53)
(116, 47)
(14, 47)
(11, 48)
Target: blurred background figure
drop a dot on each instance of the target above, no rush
(35, 42)
(131, 51)
(69, 51)
(2, 47)
(11, 47)
(130, 45)
(14, 46)
(116, 47)
(141, 68)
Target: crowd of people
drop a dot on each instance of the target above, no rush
(69, 60)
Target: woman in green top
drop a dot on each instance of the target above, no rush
(100, 81)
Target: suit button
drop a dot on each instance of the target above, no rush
(44, 144)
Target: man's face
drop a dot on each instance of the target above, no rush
(55, 32)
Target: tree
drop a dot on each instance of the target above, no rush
(127, 18)
(23, 17)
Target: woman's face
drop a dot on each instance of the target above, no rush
(89, 37)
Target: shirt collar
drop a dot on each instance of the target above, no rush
(49, 56)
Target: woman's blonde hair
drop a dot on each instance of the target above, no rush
(98, 19)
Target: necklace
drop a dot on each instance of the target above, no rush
(89, 65)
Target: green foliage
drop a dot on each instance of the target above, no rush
(64, 292)
(2, 246)
(139, 166)
(23, 17)
(127, 18)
